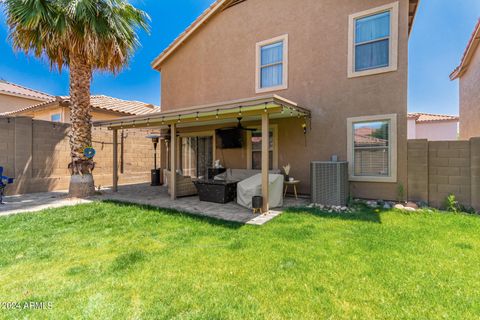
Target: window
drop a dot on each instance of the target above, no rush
(56, 117)
(256, 141)
(272, 64)
(373, 41)
(372, 148)
(254, 149)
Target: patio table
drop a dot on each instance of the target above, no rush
(218, 191)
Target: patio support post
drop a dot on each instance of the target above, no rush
(115, 161)
(173, 161)
(265, 160)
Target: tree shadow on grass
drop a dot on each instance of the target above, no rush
(173, 212)
(364, 215)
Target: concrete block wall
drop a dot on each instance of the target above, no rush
(37, 153)
(475, 172)
(7, 146)
(437, 169)
(417, 170)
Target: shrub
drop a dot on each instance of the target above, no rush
(451, 203)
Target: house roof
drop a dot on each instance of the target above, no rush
(468, 53)
(13, 89)
(220, 5)
(365, 136)
(123, 106)
(429, 117)
(101, 102)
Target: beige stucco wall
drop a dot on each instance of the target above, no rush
(436, 131)
(12, 103)
(411, 128)
(470, 99)
(218, 64)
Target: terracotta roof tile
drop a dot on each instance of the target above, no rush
(123, 106)
(428, 117)
(100, 102)
(18, 90)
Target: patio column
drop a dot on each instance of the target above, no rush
(265, 160)
(115, 161)
(173, 161)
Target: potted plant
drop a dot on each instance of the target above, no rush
(286, 169)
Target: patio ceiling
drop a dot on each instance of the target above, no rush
(248, 109)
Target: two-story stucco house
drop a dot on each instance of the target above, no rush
(468, 73)
(317, 78)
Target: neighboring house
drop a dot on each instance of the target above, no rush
(433, 127)
(468, 73)
(345, 64)
(103, 108)
(14, 96)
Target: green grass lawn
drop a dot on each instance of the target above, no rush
(114, 261)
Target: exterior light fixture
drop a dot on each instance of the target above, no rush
(163, 120)
(240, 111)
(196, 118)
(216, 116)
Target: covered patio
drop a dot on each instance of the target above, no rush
(158, 197)
(261, 109)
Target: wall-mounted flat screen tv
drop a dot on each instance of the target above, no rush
(230, 138)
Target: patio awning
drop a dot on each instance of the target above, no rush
(249, 109)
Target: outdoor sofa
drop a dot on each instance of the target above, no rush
(185, 186)
(252, 186)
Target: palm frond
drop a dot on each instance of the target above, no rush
(105, 32)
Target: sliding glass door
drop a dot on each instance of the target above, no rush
(196, 155)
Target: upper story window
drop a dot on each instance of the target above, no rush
(272, 64)
(373, 41)
(56, 117)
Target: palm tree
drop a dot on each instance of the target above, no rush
(83, 35)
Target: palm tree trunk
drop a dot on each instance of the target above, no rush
(81, 181)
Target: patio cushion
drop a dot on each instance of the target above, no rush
(240, 174)
(252, 186)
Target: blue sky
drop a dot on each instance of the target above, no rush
(442, 29)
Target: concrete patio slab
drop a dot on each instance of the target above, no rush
(145, 194)
(37, 201)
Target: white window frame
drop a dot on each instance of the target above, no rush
(392, 159)
(393, 49)
(274, 129)
(258, 50)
